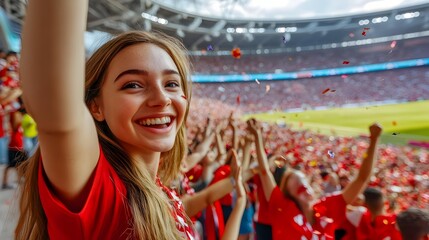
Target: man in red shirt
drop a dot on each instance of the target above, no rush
(374, 223)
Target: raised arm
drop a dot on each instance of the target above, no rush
(9, 94)
(52, 75)
(200, 152)
(200, 200)
(233, 124)
(232, 226)
(357, 186)
(267, 178)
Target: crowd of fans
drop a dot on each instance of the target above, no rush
(401, 173)
(403, 85)
(316, 59)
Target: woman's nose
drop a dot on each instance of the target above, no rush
(158, 97)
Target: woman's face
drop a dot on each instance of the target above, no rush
(299, 188)
(142, 99)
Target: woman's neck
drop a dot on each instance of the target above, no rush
(148, 162)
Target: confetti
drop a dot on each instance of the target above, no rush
(331, 154)
(284, 39)
(191, 177)
(238, 99)
(326, 90)
(184, 97)
(364, 31)
(343, 76)
(351, 35)
(210, 48)
(394, 123)
(393, 44)
(333, 90)
(267, 88)
(236, 53)
(346, 62)
(257, 81)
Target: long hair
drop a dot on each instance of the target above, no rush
(150, 209)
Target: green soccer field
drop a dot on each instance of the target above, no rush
(401, 122)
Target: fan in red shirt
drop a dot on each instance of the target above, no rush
(294, 211)
(374, 223)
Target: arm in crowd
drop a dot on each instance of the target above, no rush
(52, 72)
(233, 124)
(200, 152)
(9, 94)
(355, 187)
(200, 200)
(265, 174)
(232, 226)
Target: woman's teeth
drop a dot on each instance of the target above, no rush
(155, 121)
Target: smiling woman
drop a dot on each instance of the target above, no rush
(102, 176)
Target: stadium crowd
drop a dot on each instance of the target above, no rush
(402, 85)
(396, 178)
(314, 59)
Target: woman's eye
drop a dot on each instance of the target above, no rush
(131, 85)
(172, 84)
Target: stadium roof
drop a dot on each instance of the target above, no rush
(283, 9)
(308, 22)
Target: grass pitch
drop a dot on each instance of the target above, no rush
(401, 122)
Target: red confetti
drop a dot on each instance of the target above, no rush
(343, 76)
(326, 90)
(184, 97)
(238, 99)
(364, 31)
(236, 53)
(346, 62)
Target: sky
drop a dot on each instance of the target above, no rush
(284, 9)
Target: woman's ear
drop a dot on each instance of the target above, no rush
(95, 110)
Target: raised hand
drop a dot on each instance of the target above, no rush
(253, 126)
(375, 130)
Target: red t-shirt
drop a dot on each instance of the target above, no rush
(288, 222)
(261, 212)
(383, 227)
(221, 173)
(17, 139)
(104, 214)
(2, 132)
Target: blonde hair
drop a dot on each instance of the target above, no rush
(149, 206)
